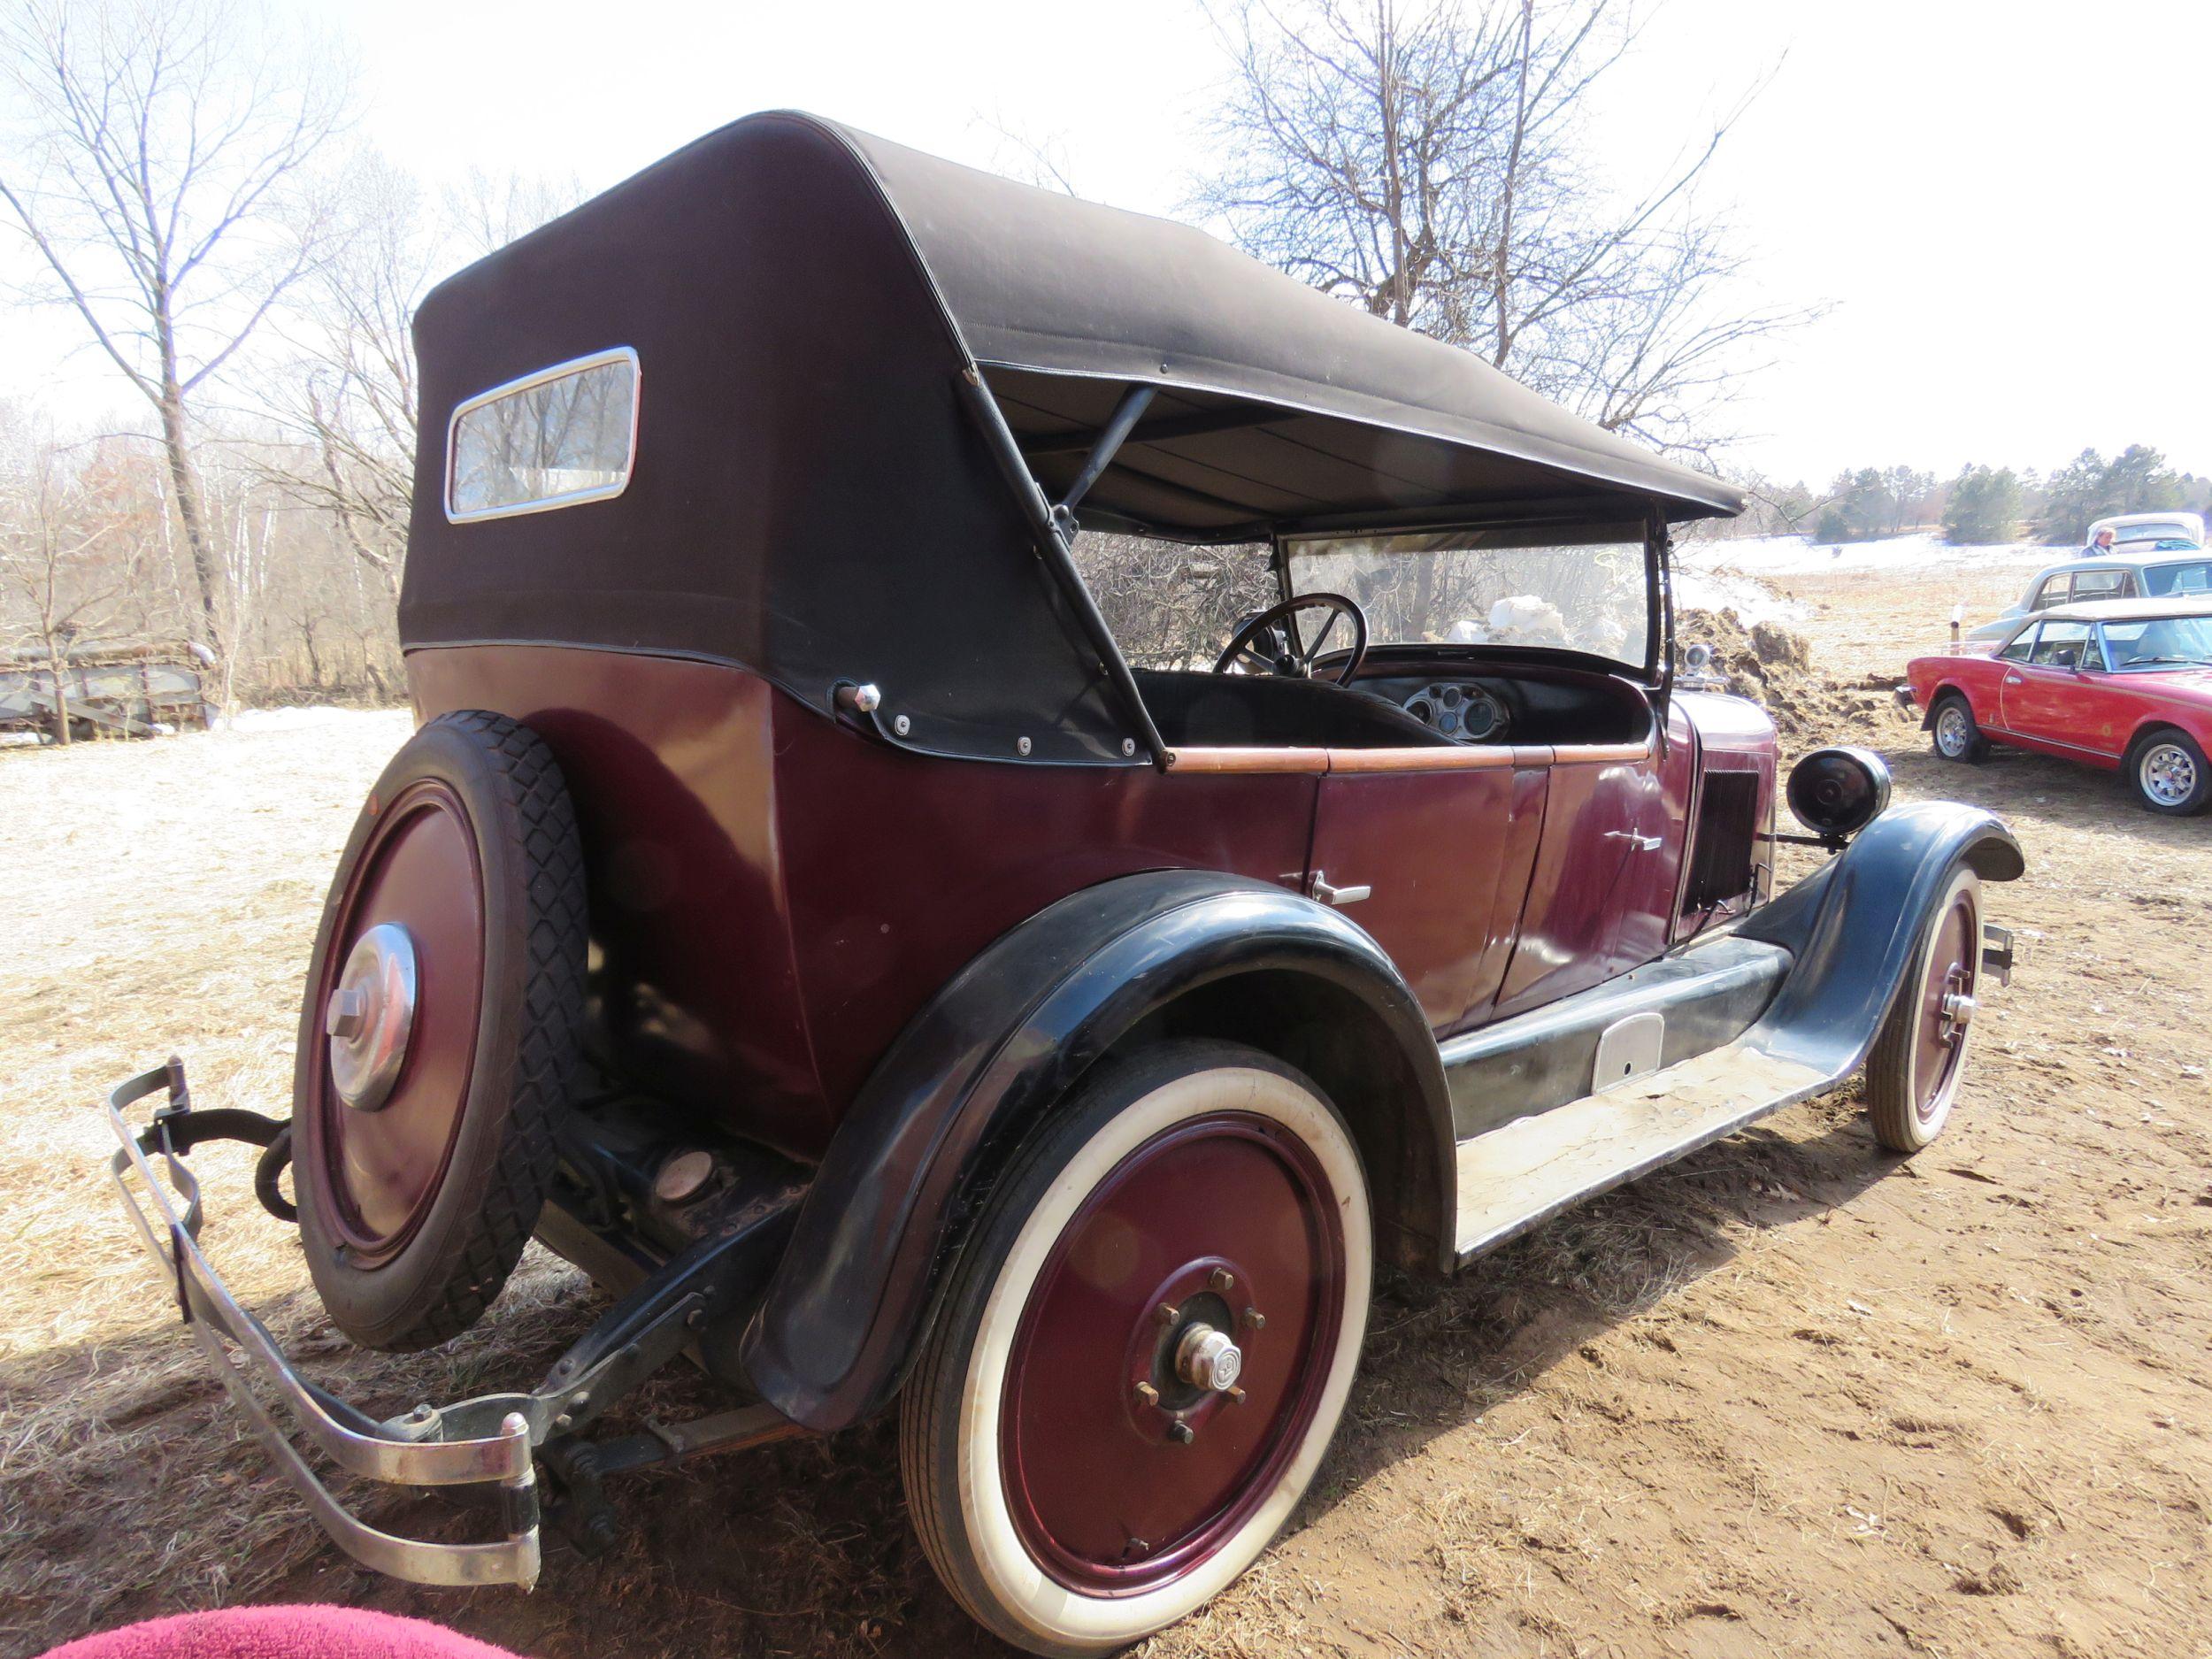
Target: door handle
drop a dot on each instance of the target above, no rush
(1637, 844)
(1336, 896)
(2014, 679)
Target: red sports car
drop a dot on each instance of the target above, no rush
(2121, 684)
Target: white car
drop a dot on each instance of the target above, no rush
(2139, 574)
(2145, 532)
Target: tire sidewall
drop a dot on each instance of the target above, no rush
(1000, 1270)
(1923, 1128)
(358, 1298)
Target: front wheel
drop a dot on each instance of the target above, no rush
(1955, 733)
(1913, 1074)
(2167, 773)
(1144, 1350)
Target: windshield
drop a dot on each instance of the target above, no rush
(1582, 590)
(2169, 642)
(2194, 577)
(2155, 533)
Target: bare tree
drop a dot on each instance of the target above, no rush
(352, 403)
(352, 400)
(1425, 161)
(69, 561)
(161, 146)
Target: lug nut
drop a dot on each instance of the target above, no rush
(1223, 1280)
(1147, 1394)
(1167, 1313)
(1255, 1320)
(1236, 1396)
(1181, 1434)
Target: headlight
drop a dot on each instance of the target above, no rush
(1835, 791)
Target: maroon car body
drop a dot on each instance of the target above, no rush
(2121, 685)
(797, 909)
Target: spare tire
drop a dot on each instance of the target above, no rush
(439, 1033)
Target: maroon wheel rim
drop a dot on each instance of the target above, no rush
(1940, 1038)
(1218, 1215)
(379, 1171)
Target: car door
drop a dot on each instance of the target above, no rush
(2038, 698)
(1429, 851)
(1601, 896)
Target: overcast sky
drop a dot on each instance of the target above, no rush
(2007, 202)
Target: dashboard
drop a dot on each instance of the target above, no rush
(1460, 709)
(1524, 703)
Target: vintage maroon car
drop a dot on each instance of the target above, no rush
(2124, 684)
(795, 909)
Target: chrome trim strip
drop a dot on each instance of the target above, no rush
(214, 1314)
(2021, 737)
(569, 498)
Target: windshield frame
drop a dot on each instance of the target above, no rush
(1655, 671)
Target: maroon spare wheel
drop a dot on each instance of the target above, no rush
(438, 1031)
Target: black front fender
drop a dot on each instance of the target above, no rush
(1010, 1034)
(1851, 926)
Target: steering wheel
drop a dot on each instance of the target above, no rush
(1273, 642)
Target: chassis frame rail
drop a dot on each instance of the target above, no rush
(488, 1445)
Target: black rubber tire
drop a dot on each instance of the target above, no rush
(1892, 1086)
(932, 1403)
(2132, 773)
(1977, 749)
(528, 1031)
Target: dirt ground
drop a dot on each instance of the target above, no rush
(1791, 1395)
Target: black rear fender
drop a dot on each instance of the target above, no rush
(1169, 953)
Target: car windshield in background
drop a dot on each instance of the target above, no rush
(2193, 577)
(1581, 590)
(2169, 642)
(2155, 532)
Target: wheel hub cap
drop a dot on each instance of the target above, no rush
(2169, 774)
(1207, 1358)
(370, 1016)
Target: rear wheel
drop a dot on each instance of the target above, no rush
(2166, 770)
(1912, 1077)
(1955, 732)
(1143, 1352)
(439, 1032)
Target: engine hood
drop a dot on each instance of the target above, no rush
(1725, 722)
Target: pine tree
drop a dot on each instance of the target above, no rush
(1983, 507)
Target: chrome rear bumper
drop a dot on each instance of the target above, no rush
(484, 1446)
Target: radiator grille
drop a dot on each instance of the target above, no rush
(1720, 858)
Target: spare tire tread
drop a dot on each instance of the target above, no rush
(553, 1006)
(438, 1295)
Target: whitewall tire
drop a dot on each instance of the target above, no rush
(1144, 1350)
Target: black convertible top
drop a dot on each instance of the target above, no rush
(833, 335)
(1281, 406)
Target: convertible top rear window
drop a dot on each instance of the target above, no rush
(559, 437)
(1581, 588)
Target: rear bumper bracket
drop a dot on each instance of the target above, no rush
(491, 1441)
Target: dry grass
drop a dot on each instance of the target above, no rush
(1787, 1394)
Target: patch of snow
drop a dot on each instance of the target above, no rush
(249, 721)
(1752, 602)
(1801, 555)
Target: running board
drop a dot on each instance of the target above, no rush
(1519, 1175)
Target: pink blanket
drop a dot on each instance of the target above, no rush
(279, 1633)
